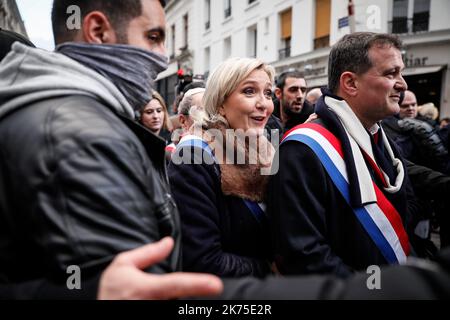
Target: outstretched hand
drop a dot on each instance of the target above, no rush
(125, 280)
(311, 118)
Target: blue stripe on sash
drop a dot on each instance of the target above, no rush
(256, 210)
(197, 143)
(342, 185)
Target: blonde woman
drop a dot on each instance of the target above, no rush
(154, 116)
(225, 230)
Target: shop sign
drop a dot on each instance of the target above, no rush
(410, 61)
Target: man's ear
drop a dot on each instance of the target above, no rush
(349, 83)
(97, 29)
(278, 93)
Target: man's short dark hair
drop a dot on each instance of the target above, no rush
(119, 13)
(351, 53)
(281, 79)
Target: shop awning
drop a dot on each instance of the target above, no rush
(171, 70)
(422, 70)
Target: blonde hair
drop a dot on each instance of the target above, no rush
(226, 78)
(428, 110)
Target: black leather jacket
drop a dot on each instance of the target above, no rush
(79, 184)
(419, 142)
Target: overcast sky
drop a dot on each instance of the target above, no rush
(36, 15)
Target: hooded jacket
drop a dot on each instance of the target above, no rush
(80, 180)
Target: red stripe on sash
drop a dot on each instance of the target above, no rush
(375, 168)
(327, 134)
(394, 217)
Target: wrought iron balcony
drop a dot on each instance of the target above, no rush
(284, 53)
(402, 25)
(322, 42)
(227, 12)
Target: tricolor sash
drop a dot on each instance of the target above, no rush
(194, 141)
(257, 209)
(380, 220)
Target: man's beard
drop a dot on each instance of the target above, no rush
(289, 111)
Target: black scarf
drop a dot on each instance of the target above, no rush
(131, 69)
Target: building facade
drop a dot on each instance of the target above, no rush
(299, 33)
(10, 18)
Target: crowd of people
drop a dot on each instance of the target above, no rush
(258, 188)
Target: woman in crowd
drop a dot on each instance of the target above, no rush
(154, 116)
(225, 230)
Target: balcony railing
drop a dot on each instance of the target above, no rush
(322, 42)
(227, 12)
(419, 23)
(284, 53)
(399, 25)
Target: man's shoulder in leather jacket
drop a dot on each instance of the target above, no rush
(78, 185)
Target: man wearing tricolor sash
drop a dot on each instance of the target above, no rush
(341, 200)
